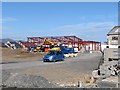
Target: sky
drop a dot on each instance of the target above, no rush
(87, 20)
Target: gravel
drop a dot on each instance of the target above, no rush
(25, 81)
(5, 75)
(106, 84)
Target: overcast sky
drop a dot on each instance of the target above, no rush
(89, 21)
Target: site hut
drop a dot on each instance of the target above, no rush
(112, 50)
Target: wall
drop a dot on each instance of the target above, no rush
(112, 42)
(110, 46)
(113, 53)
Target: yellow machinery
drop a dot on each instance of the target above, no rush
(53, 45)
(46, 39)
(55, 48)
(41, 48)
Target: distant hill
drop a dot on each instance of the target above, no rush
(6, 39)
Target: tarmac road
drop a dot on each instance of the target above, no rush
(22, 65)
(87, 61)
(70, 70)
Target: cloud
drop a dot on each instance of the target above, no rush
(7, 19)
(87, 26)
(100, 17)
(86, 31)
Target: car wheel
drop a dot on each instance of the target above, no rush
(62, 59)
(54, 60)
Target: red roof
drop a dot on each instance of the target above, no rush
(27, 44)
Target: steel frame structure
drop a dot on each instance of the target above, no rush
(95, 45)
(67, 40)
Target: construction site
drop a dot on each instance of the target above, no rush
(69, 41)
(75, 62)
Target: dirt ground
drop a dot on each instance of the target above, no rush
(9, 55)
(60, 74)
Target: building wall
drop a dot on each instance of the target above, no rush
(113, 39)
(110, 46)
(118, 39)
(112, 50)
(111, 53)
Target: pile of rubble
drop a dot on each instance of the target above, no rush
(25, 81)
(108, 74)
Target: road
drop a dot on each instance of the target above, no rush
(80, 59)
(70, 70)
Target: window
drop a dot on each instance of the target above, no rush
(107, 46)
(59, 52)
(51, 53)
(114, 38)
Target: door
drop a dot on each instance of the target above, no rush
(59, 55)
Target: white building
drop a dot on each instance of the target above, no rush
(112, 49)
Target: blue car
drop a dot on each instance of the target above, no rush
(53, 56)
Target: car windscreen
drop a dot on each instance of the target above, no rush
(51, 53)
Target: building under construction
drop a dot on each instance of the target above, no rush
(70, 41)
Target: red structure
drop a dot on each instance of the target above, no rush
(92, 45)
(68, 40)
(27, 44)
